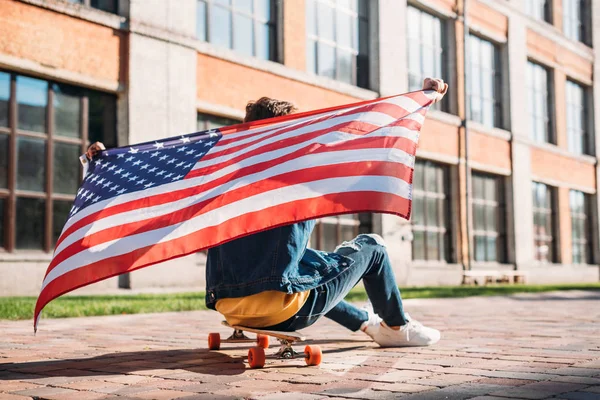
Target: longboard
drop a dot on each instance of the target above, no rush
(256, 355)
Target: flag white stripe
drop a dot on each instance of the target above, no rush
(308, 190)
(310, 160)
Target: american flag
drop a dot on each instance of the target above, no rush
(143, 204)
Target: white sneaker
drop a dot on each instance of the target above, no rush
(411, 334)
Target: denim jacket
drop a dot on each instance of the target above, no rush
(275, 259)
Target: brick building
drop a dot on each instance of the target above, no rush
(127, 71)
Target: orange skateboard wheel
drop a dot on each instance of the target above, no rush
(214, 341)
(262, 341)
(313, 355)
(256, 357)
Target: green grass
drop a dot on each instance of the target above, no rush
(15, 308)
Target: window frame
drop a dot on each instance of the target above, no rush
(364, 82)
(443, 225)
(584, 23)
(318, 241)
(499, 205)
(88, 3)
(586, 216)
(547, 12)
(498, 96)
(207, 117)
(11, 194)
(587, 137)
(548, 94)
(443, 51)
(552, 212)
(273, 25)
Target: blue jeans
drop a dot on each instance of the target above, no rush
(372, 265)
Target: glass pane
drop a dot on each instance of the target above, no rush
(59, 217)
(263, 41)
(329, 237)
(490, 189)
(345, 66)
(311, 19)
(347, 233)
(30, 223)
(418, 245)
(220, 26)
(433, 246)
(477, 186)
(32, 98)
(417, 211)
(577, 258)
(66, 167)
(243, 38)
(243, 5)
(418, 175)
(491, 253)
(431, 179)
(325, 18)
(478, 217)
(2, 205)
(263, 9)
(3, 161)
(67, 111)
(102, 119)
(344, 24)
(326, 60)
(431, 210)
(105, 5)
(491, 218)
(4, 97)
(31, 164)
(201, 20)
(480, 246)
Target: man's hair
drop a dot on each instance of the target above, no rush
(266, 107)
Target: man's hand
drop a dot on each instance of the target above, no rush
(436, 84)
(94, 149)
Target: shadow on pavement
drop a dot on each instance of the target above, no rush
(140, 362)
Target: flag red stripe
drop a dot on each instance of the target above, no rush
(391, 110)
(360, 143)
(358, 128)
(379, 168)
(331, 204)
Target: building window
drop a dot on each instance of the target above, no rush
(484, 83)
(40, 143)
(426, 56)
(430, 210)
(338, 40)
(111, 6)
(577, 118)
(539, 104)
(576, 20)
(249, 27)
(208, 121)
(329, 232)
(544, 223)
(540, 10)
(489, 218)
(581, 242)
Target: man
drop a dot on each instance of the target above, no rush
(271, 280)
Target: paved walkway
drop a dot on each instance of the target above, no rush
(525, 346)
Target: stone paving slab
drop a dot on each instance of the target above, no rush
(543, 346)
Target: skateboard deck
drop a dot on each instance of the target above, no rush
(290, 336)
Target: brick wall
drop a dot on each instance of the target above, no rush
(60, 41)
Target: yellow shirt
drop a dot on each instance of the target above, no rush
(262, 309)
